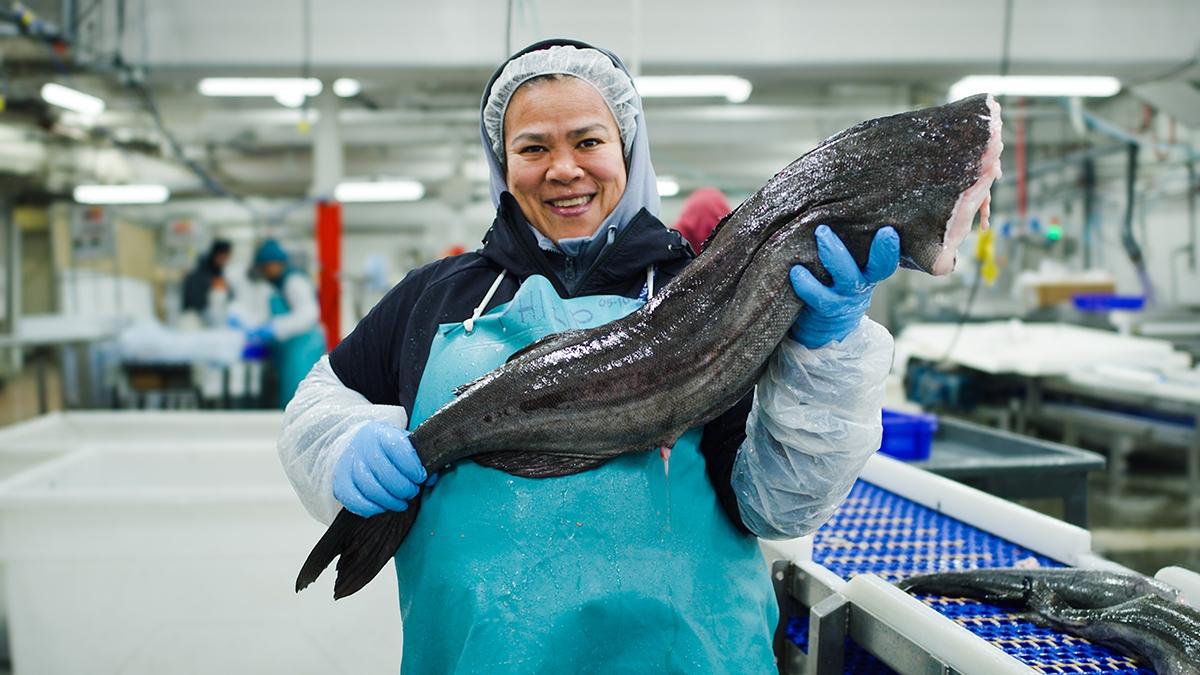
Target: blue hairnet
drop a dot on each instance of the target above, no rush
(270, 251)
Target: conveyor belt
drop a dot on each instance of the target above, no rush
(878, 532)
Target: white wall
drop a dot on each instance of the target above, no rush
(1166, 229)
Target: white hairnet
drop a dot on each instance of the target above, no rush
(589, 65)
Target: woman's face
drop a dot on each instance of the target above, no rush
(272, 270)
(565, 164)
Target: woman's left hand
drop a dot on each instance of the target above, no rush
(831, 312)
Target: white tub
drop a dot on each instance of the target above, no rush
(177, 560)
(70, 430)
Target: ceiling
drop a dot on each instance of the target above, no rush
(816, 68)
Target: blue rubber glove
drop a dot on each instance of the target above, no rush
(260, 335)
(831, 312)
(379, 471)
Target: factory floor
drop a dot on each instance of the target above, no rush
(1149, 522)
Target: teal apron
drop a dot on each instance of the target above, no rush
(295, 356)
(624, 568)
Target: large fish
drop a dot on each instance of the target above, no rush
(1165, 633)
(574, 400)
(1078, 587)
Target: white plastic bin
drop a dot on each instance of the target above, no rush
(24, 446)
(68, 431)
(162, 560)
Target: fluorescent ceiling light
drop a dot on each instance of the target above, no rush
(1035, 85)
(287, 87)
(667, 186)
(379, 191)
(732, 88)
(346, 87)
(121, 194)
(65, 97)
(291, 99)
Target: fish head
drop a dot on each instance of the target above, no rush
(927, 173)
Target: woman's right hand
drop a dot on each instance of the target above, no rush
(379, 471)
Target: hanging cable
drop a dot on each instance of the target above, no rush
(305, 55)
(508, 25)
(81, 15)
(977, 278)
(151, 106)
(1006, 45)
(1192, 188)
(1132, 249)
(635, 62)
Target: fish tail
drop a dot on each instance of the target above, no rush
(363, 547)
(1042, 599)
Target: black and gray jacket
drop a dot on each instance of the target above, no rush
(779, 462)
(384, 358)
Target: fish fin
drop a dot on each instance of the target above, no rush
(1051, 607)
(328, 547)
(537, 464)
(1035, 619)
(547, 344)
(462, 388)
(363, 547)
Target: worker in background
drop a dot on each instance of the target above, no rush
(205, 290)
(702, 210)
(600, 570)
(293, 331)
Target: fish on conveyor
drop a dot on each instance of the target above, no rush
(1165, 633)
(573, 400)
(1078, 587)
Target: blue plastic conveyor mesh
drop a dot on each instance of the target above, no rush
(892, 537)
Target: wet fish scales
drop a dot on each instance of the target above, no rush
(1078, 587)
(697, 347)
(1165, 633)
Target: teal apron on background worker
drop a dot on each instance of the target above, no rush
(623, 568)
(294, 356)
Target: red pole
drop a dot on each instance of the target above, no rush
(329, 266)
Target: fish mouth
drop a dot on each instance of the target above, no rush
(975, 199)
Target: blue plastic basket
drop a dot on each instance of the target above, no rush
(907, 436)
(1104, 302)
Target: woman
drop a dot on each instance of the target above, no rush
(205, 290)
(293, 332)
(622, 568)
(701, 212)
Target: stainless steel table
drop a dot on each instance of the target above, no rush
(1013, 466)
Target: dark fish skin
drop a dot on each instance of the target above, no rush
(1165, 633)
(572, 401)
(1078, 587)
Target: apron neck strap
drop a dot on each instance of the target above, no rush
(469, 324)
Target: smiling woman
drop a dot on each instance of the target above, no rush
(616, 568)
(565, 164)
